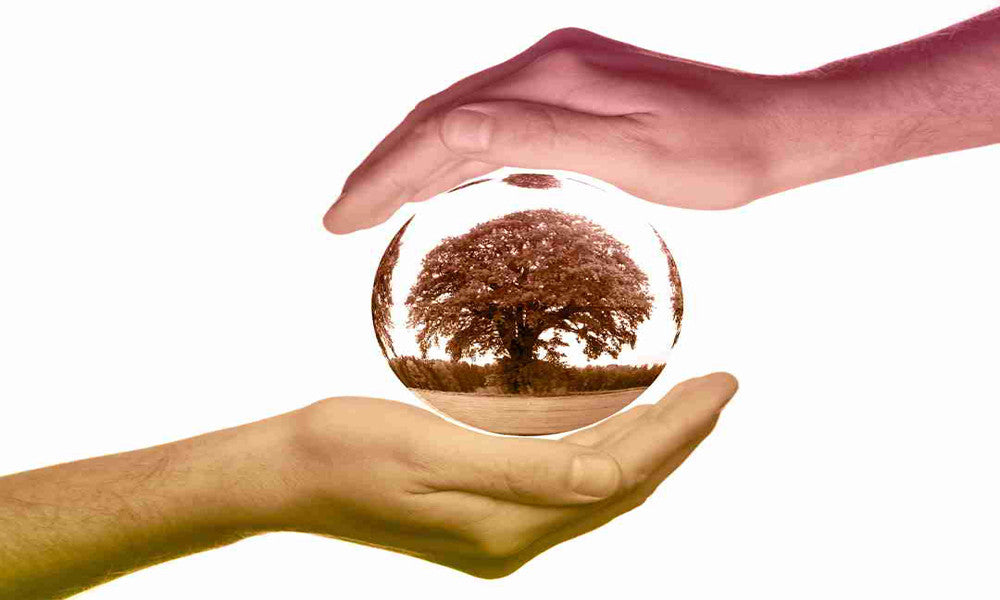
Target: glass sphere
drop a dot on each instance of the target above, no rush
(527, 303)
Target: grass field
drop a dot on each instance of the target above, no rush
(529, 415)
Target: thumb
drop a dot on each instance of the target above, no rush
(547, 472)
(539, 136)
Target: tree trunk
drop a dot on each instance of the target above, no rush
(520, 354)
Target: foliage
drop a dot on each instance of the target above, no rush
(498, 288)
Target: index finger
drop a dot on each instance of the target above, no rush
(682, 418)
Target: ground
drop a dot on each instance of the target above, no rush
(529, 415)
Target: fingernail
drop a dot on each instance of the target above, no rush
(595, 475)
(467, 130)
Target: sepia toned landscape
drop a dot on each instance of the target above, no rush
(535, 415)
(525, 322)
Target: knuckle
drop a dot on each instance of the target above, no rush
(425, 105)
(495, 568)
(547, 130)
(403, 188)
(540, 126)
(565, 59)
(638, 139)
(412, 455)
(521, 479)
(424, 127)
(637, 501)
(638, 478)
(641, 413)
(500, 544)
(686, 386)
(565, 35)
(642, 410)
(500, 548)
(639, 133)
(494, 572)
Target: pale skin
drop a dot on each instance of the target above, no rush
(386, 474)
(372, 471)
(683, 133)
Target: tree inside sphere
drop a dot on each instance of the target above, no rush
(519, 304)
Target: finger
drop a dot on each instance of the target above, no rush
(373, 190)
(529, 471)
(477, 139)
(451, 179)
(561, 524)
(469, 85)
(543, 136)
(685, 415)
(708, 395)
(608, 428)
(562, 39)
(647, 449)
(392, 180)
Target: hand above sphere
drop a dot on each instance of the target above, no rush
(655, 126)
(684, 133)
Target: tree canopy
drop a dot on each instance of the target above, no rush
(502, 285)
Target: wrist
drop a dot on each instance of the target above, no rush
(863, 113)
(813, 127)
(228, 481)
(279, 474)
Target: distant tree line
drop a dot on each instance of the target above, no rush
(537, 378)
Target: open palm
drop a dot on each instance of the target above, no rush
(395, 476)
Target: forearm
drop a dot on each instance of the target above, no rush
(72, 526)
(934, 94)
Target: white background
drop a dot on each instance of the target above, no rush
(164, 273)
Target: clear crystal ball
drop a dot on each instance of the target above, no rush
(527, 303)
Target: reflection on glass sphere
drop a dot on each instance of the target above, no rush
(526, 304)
